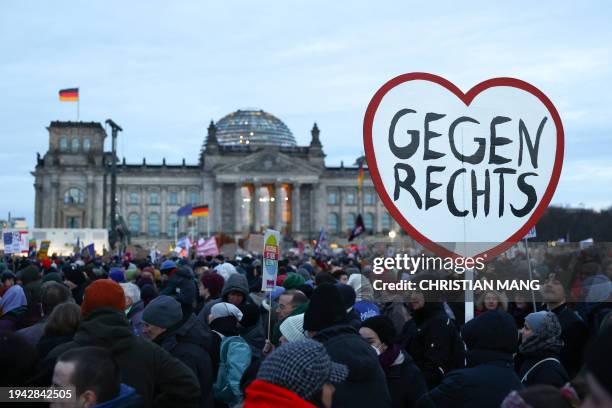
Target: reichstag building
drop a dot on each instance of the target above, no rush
(250, 172)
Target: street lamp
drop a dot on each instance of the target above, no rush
(392, 234)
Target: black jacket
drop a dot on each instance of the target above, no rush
(183, 287)
(549, 372)
(574, 334)
(435, 345)
(160, 379)
(488, 379)
(188, 342)
(365, 386)
(405, 382)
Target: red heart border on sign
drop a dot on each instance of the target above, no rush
(467, 99)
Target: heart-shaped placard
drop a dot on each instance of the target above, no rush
(465, 174)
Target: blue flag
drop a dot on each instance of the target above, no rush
(320, 240)
(89, 251)
(184, 211)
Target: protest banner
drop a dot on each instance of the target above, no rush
(12, 242)
(44, 249)
(454, 167)
(229, 250)
(207, 247)
(255, 243)
(271, 254)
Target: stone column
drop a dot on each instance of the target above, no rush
(163, 212)
(89, 218)
(278, 206)
(295, 208)
(143, 210)
(55, 203)
(341, 211)
(378, 218)
(256, 207)
(217, 207)
(38, 213)
(238, 208)
(319, 202)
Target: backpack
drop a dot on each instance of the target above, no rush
(234, 358)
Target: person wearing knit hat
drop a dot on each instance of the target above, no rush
(160, 314)
(297, 375)
(148, 292)
(103, 293)
(598, 362)
(225, 309)
(539, 349)
(398, 366)
(131, 274)
(325, 309)
(117, 275)
(292, 329)
(325, 322)
(52, 277)
(292, 281)
(303, 272)
(212, 285)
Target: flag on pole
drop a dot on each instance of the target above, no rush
(69, 95)
(200, 211)
(360, 176)
(184, 211)
(207, 247)
(320, 241)
(89, 251)
(359, 228)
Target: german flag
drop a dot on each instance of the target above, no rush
(200, 211)
(69, 95)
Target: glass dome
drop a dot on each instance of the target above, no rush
(253, 127)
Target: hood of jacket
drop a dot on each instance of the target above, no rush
(189, 331)
(493, 331)
(105, 327)
(235, 282)
(346, 346)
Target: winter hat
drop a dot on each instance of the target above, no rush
(306, 289)
(535, 320)
(278, 290)
(383, 327)
(103, 293)
(292, 328)
(348, 295)
(351, 270)
(117, 275)
(52, 277)
(46, 263)
(599, 359)
(280, 279)
(292, 281)
(167, 265)
(29, 274)
(250, 314)
(363, 287)
(224, 309)
(546, 333)
(226, 270)
(131, 275)
(494, 330)
(325, 309)
(74, 275)
(302, 367)
(214, 283)
(163, 311)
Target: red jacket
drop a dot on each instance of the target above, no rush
(262, 394)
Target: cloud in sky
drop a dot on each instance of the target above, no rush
(163, 70)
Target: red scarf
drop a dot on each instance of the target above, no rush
(262, 394)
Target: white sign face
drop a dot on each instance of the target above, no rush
(452, 168)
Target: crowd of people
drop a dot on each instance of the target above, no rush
(199, 332)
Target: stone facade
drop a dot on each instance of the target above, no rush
(248, 187)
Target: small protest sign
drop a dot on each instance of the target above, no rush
(271, 254)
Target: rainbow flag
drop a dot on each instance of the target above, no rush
(69, 95)
(200, 211)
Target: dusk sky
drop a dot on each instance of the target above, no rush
(163, 70)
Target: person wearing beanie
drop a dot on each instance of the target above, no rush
(76, 280)
(292, 329)
(117, 274)
(52, 277)
(398, 366)
(298, 375)
(235, 291)
(230, 353)
(13, 308)
(574, 332)
(212, 285)
(325, 322)
(31, 281)
(539, 351)
(598, 363)
(292, 281)
(303, 272)
(348, 299)
(155, 375)
(290, 303)
(597, 306)
(184, 337)
(491, 340)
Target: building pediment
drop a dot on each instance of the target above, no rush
(269, 161)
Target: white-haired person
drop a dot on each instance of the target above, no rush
(134, 306)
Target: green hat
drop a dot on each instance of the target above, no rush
(52, 277)
(293, 280)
